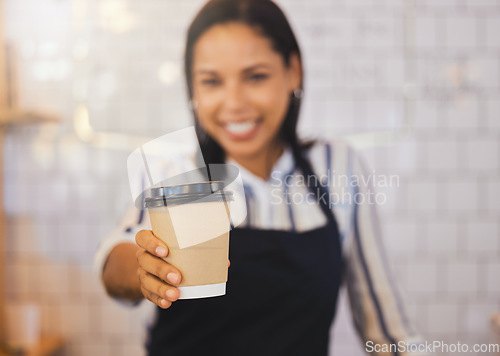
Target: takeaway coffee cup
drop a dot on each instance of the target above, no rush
(193, 221)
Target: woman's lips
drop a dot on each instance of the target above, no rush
(242, 130)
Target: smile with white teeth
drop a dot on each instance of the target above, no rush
(240, 127)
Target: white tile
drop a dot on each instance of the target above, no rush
(75, 318)
(387, 198)
(417, 314)
(318, 73)
(461, 32)
(401, 236)
(10, 280)
(22, 277)
(133, 348)
(484, 71)
(58, 193)
(394, 72)
(493, 113)
(97, 348)
(73, 240)
(355, 73)
(493, 271)
(462, 195)
(341, 111)
(54, 280)
(461, 279)
(17, 196)
(51, 319)
(422, 278)
(442, 317)
(403, 158)
(480, 4)
(375, 31)
(463, 114)
(492, 31)
(361, 4)
(482, 154)
(421, 195)
(429, 114)
(318, 10)
(442, 236)
(100, 345)
(477, 317)
(393, 5)
(22, 237)
(74, 346)
(383, 114)
(442, 155)
(493, 191)
(483, 236)
(450, 5)
(114, 318)
(47, 239)
(341, 31)
(426, 30)
(90, 286)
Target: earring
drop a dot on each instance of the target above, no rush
(298, 93)
(193, 104)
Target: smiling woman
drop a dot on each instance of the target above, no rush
(242, 87)
(243, 65)
(244, 76)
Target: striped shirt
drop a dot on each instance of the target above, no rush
(283, 202)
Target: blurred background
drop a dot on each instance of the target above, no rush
(413, 84)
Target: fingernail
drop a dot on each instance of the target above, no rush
(173, 277)
(172, 294)
(164, 303)
(161, 251)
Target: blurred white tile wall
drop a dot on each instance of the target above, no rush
(424, 73)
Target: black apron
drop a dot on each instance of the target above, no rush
(281, 297)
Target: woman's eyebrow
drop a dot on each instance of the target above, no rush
(246, 70)
(256, 66)
(205, 71)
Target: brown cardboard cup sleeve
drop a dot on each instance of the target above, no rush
(195, 227)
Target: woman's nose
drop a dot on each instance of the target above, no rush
(234, 97)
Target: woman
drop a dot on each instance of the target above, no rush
(244, 76)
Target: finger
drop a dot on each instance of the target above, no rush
(156, 299)
(158, 267)
(148, 291)
(148, 241)
(159, 288)
(228, 263)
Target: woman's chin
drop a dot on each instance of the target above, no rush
(244, 149)
(242, 153)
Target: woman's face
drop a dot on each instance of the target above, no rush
(242, 87)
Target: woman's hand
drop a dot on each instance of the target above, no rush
(157, 277)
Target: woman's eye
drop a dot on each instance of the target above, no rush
(257, 77)
(210, 82)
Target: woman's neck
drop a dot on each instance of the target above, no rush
(261, 163)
